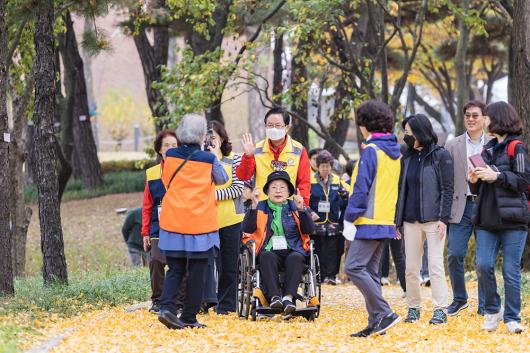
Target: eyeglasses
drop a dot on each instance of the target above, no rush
(272, 126)
(278, 188)
(474, 116)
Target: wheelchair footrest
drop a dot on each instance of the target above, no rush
(298, 312)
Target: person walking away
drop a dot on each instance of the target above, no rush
(189, 232)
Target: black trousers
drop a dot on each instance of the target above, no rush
(196, 269)
(326, 239)
(157, 273)
(230, 238)
(271, 262)
(340, 249)
(398, 255)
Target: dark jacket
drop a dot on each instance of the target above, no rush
(131, 229)
(332, 192)
(503, 204)
(297, 226)
(436, 186)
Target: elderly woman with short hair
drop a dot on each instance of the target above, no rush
(189, 232)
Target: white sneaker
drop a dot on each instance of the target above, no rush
(491, 323)
(385, 281)
(514, 327)
(338, 280)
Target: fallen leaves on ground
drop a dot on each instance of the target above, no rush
(116, 330)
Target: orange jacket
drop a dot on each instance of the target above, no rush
(189, 205)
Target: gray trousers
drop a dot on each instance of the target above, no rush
(362, 266)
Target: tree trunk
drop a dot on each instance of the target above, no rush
(52, 245)
(339, 121)
(462, 90)
(31, 163)
(277, 83)
(6, 264)
(299, 130)
(520, 84)
(20, 214)
(152, 58)
(85, 147)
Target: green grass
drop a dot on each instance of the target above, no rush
(90, 290)
(86, 291)
(113, 183)
(8, 337)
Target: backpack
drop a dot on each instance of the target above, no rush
(511, 155)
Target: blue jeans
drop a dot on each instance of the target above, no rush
(512, 243)
(457, 242)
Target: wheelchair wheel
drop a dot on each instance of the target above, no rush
(244, 290)
(317, 280)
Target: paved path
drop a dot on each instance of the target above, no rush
(127, 329)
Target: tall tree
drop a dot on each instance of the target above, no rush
(52, 244)
(153, 57)
(6, 266)
(520, 79)
(84, 148)
(462, 89)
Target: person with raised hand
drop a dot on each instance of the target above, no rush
(278, 152)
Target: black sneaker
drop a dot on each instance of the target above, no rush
(276, 303)
(456, 307)
(386, 323)
(363, 333)
(413, 315)
(438, 317)
(288, 307)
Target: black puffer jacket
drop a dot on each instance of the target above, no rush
(436, 186)
(503, 204)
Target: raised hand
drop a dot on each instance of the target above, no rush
(298, 200)
(248, 145)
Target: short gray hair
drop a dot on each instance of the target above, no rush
(192, 129)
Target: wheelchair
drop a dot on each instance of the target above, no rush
(251, 300)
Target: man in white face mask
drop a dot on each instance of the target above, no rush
(277, 152)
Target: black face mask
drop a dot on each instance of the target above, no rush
(409, 141)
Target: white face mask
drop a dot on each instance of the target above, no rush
(275, 134)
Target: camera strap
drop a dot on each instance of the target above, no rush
(180, 167)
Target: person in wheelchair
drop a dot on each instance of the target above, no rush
(280, 229)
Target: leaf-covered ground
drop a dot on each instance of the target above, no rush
(118, 330)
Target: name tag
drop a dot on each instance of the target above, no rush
(159, 211)
(279, 243)
(323, 207)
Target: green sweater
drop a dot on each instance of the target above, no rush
(132, 229)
